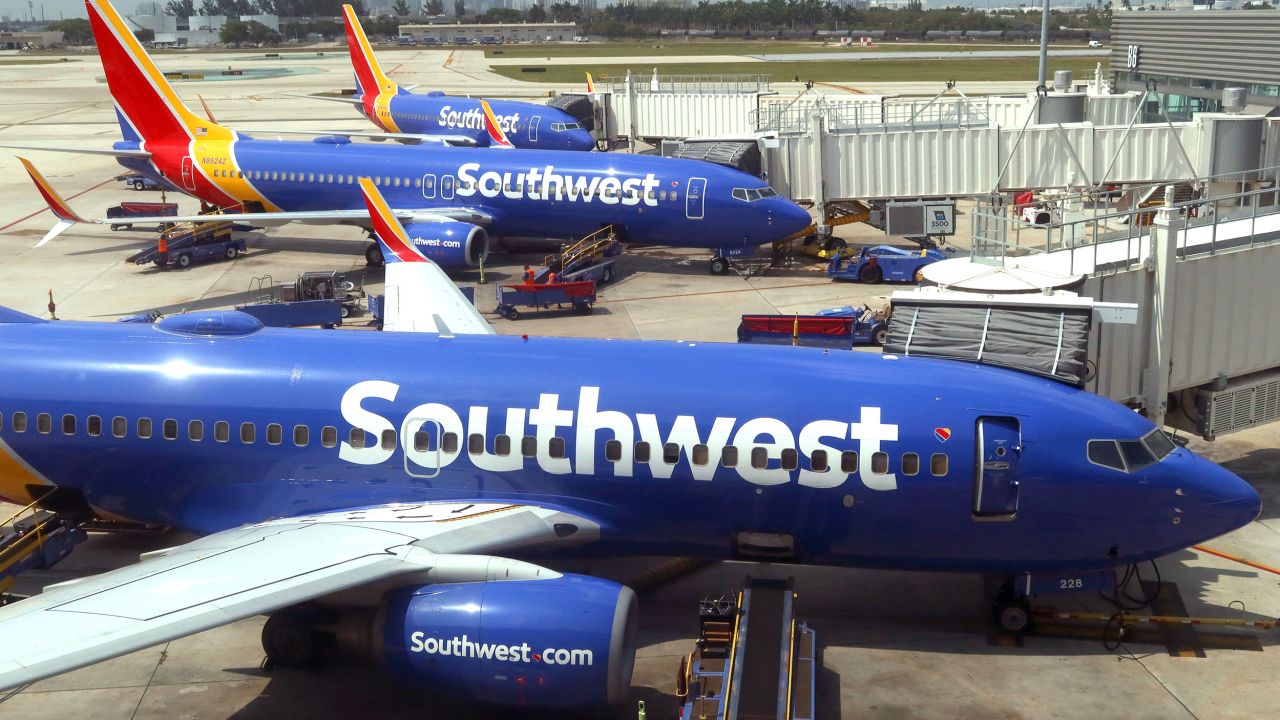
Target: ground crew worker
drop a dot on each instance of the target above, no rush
(552, 278)
(163, 251)
(528, 275)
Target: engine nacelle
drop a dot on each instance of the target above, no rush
(450, 244)
(562, 643)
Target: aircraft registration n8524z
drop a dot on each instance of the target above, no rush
(427, 481)
(449, 198)
(459, 120)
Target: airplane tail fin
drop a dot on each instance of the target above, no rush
(148, 108)
(66, 216)
(370, 79)
(591, 86)
(497, 138)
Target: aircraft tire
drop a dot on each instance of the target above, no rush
(373, 255)
(719, 266)
(1013, 616)
(287, 639)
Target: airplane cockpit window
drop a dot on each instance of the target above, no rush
(1159, 444)
(1136, 455)
(1105, 453)
(754, 194)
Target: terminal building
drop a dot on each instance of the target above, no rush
(459, 34)
(1192, 57)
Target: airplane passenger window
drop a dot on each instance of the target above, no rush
(1159, 444)
(613, 450)
(475, 444)
(311, 177)
(389, 439)
(195, 430)
(1106, 454)
(529, 446)
(449, 443)
(759, 458)
(222, 431)
(301, 436)
(818, 461)
(93, 425)
(351, 180)
(330, 180)
(701, 454)
(790, 459)
(395, 182)
(880, 462)
(671, 453)
(421, 441)
(248, 433)
(642, 452)
(502, 445)
(329, 436)
(356, 438)
(19, 422)
(556, 448)
(44, 423)
(144, 428)
(417, 182)
(275, 434)
(662, 194)
(119, 426)
(68, 424)
(938, 464)
(849, 462)
(386, 181)
(377, 181)
(170, 429)
(729, 456)
(910, 464)
(1136, 455)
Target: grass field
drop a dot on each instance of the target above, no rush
(853, 72)
(727, 47)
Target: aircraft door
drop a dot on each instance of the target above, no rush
(997, 475)
(694, 205)
(188, 173)
(421, 440)
(533, 128)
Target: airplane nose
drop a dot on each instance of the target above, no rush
(580, 140)
(789, 218)
(1229, 502)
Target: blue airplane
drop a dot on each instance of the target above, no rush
(450, 198)
(456, 120)
(400, 505)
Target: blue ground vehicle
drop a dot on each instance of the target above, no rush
(138, 182)
(186, 243)
(882, 262)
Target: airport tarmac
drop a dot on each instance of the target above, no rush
(892, 644)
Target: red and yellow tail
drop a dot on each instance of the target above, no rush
(143, 96)
(497, 138)
(369, 75)
(395, 242)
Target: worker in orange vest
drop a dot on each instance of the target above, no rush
(528, 275)
(552, 278)
(164, 251)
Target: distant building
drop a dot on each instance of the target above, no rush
(194, 31)
(455, 34)
(1192, 57)
(21, 40)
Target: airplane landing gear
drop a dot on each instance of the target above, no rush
(373, 255)
(289, 639)
(1012, 614)
(719, 265)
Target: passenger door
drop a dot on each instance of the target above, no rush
(419, 438)
(533, 128)
(694, 205)
(997, 480)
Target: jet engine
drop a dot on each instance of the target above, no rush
(450, 243)
(567, 642)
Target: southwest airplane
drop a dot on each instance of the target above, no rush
(448, 197)
(399, 506)
(456, 120)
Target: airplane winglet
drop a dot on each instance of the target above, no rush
(66, 216)
(591, 86)
(207, 111)
(497, 138)
(392, 239)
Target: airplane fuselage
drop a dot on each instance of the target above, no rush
(561, 194)
(527, 125)
(885, 461)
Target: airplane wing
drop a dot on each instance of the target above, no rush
(83, 151)
(68, 217)
(418, 296)
(331, 98)
(407, 138)
(238, 573)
